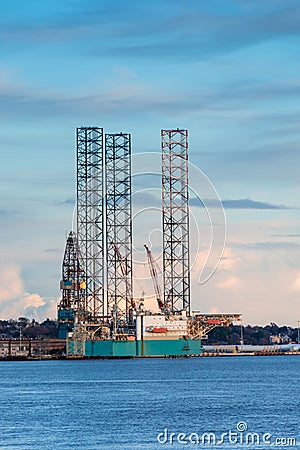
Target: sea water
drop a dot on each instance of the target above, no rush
(216, 402)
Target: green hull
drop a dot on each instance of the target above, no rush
(179, 347)
(145, 348)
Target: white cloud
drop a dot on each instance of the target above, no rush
(262, 285)
(229, 260)
(296, 284)
(32, 300)
(230, 283)
(16, 302)
(11, 284)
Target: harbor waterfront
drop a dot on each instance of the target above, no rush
(125, 404)
(32, 349)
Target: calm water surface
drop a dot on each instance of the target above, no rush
(125, 404)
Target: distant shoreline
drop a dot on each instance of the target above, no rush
(83, 358)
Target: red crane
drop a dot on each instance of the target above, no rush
(153, 273)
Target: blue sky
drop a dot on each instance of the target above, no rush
(227, 71)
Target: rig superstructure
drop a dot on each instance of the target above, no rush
(98, 314)
(73, 287)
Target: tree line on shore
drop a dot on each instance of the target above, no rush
(253, 335)
(232, 335)
(28, 329)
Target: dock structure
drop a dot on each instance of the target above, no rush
(32, 348)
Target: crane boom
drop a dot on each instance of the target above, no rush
(124, 270)
(153, 273)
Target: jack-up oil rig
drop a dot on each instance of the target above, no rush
(98, 314)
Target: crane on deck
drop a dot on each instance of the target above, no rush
(124, 271)
(153, 273)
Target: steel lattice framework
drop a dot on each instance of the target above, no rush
(72, 285)
(175, 198)
(90, 217)
(118, 224)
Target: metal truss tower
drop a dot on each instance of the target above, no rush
(72, 284)
(70, 307)
(90, 217)
(176, 271)
(118, 225)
